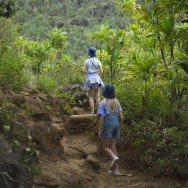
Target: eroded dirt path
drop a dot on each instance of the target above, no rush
(85, 165)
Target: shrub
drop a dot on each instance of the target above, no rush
(11, 66)
(47, 84)
(11, 72)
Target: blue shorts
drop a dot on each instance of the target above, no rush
(111, 132)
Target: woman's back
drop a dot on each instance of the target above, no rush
(92, 65)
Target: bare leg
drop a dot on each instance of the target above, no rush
(113, 147)
(97, 96)
(91, 101)
(105, 145)
(117, 169)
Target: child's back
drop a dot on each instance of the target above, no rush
(110, 109)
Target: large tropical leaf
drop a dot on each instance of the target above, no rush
(177, 5)
(166, 24)
(144, 64)
(182, 61)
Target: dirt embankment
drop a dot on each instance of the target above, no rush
(29, 122)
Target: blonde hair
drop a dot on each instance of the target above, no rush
(113, 104)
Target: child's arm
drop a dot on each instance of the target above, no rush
(121, 118)
(100, 122)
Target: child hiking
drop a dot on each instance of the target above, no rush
(110, 120)
(93, 68)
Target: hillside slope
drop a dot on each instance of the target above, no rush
(78, 18)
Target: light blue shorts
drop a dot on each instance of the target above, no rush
(111, 132)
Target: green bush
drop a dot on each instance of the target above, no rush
(47, 84)
(130, 97)
(11, 72)
(11, 66)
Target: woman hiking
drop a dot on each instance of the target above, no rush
(93, 69)
(110, 120)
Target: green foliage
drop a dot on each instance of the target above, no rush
(6, 114)
(11, 72)
(35, 52)
(162, 162)
(8, 34)
(113, 42)
(6, 129)
(47, 84)
(58, 39)
(153, 83)
(69, 102)
(30, 156)
(182, 61)
(22, 141)
(166, 146)
(11, 67)
(130, 97)
(47, 62)
(7, 8)
(127, 6)
(144, 65)
(158, 103)
(77, 18)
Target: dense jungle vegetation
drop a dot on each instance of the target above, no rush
(143, 46)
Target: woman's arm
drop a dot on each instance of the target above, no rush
(84, 69)
(100, 70)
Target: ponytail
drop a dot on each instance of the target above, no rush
(113, 104)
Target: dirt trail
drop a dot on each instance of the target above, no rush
(84, 165)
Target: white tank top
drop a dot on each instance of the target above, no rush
(92, 65)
